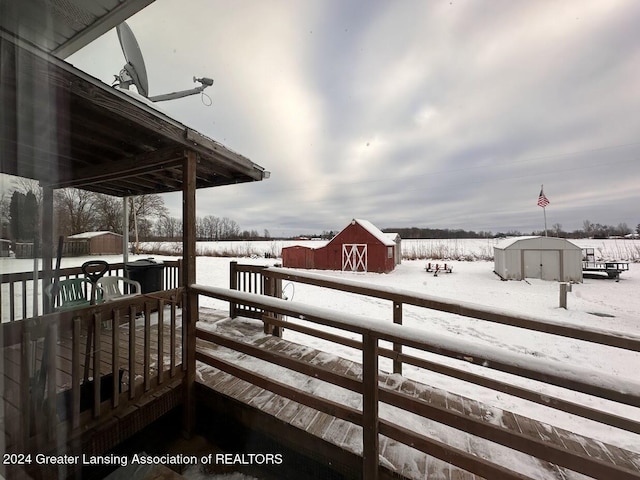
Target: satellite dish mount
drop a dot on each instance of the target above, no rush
(134, 71)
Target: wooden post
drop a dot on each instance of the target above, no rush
(268, 290)
(370, 441)
(277, 286)
(52, 376)
(233, 285)
(125, 233)
(564, 288)
(47, 244)
(397, 347)
(190, 306)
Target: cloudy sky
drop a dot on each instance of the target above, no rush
(443, 114)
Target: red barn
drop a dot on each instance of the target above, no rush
(359, 247)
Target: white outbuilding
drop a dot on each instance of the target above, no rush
(546, 258)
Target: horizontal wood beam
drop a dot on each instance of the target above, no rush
(128, 167)
(234, 161)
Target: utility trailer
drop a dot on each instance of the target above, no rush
(613, 269)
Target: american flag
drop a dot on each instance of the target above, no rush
(543, 201)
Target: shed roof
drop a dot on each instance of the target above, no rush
(87, 235)
(520, 242)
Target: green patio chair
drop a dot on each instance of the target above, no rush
(72, 293)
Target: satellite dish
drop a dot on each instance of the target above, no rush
(134, 69)
(134, 72)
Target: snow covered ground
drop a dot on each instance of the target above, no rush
(597, 302)
(600, 303)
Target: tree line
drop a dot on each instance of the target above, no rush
(78, 211)
(588, 230)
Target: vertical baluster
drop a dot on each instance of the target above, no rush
(160, 361)
(115, 358)
(147, 346)
(97, 353)
(52, 377)
(397, 347)
(172, 340)
(25, 381)
(132, 352)
(75, 372)
(24, 299)
(12, 299)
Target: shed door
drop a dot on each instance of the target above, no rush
(354, 257)
(543, 264)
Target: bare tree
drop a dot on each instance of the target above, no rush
(26, 185)
(142, 210)
(75, 212)
(169, 227)
(623, 229)
(108, 211)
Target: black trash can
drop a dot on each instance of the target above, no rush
(148, 273)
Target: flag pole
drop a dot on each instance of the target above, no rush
(543, 201)
(544, 210)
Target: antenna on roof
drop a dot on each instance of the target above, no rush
(135, 73)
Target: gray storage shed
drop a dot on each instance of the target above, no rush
(546, 258)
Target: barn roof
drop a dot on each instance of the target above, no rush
(372, 229)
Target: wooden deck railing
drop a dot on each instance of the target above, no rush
(251, 278)
(132, 345)
(372, 331)
(16, 289)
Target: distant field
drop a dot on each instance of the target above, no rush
(440, 249)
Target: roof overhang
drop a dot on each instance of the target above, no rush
(65, 128)
(62, 27)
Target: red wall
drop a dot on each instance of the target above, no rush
(329, 257)
(298, 257)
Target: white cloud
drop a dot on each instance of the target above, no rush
(447, 114)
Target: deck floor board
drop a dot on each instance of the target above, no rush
(12, 365)
(410, 463)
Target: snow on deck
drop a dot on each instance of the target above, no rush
(409, 462)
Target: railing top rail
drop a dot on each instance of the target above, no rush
(601, 336)
(19, 276)
(570, 376)
(11, 332)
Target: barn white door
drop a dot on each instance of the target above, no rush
(354, 257)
